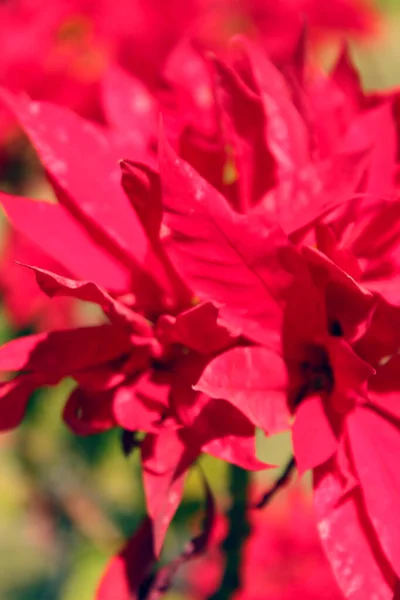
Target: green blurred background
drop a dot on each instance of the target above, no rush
(67, 503)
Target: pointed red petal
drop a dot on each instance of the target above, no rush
(352, 549)
(129, 105)
(165, 460)
(50, 227)
(142, 186)
(243, 123)
(14, 396)
(313, 439)
(60, 353)
(200, 329)
(254, 380)
(88, 179)
(140, 405)
(56, 285)
(243, 262)
(375, 444)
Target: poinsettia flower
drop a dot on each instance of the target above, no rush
(217, 321)
(305, 373)
(139, 376)
(338, 407)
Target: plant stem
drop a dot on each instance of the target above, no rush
(279, 484)
(239, 530)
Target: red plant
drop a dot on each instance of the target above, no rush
(259, 290)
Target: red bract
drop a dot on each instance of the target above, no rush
(24, 303)
(316, 360)
(137, 371)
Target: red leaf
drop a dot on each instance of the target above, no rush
(55, 285)
(60, 353)
(286, 132)
(195, 547)
(141, 404)
(14, 396)
(166, 460)
(357, 561)
(254, 380)
(244, 129)
(237, 450)
(50, 227)
(88, 178)
(375, 444)
(313, 439)
(244, 262)
(129, 105)
(200, 329)
(142, 185)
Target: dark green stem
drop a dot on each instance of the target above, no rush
(279, 484)
(239, 530)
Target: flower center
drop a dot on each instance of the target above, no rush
(316, 372)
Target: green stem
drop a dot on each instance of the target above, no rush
(239, 530)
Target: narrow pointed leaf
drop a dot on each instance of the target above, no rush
(244, 262)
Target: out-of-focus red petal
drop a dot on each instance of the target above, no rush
(89, 179)
(351, 546)
(129, 105)
(61, 237)
(14, 396)
(88, 412)
(375, 444)
(244, 129)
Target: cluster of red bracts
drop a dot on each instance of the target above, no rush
(246, 257)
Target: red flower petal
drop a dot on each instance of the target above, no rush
(50, 227)
(313, 439)
(244, 129)
(60, 353)
(55, 285)
(166, 460)
(87, 412)
(14, 396)
(357, 561)
(243, 262)
(88, 179)
(142, 186)
(375, 444)
(141, 404)
(129, 105)
(200, 329)
(254, 380)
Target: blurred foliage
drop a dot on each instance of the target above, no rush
(67, 503)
